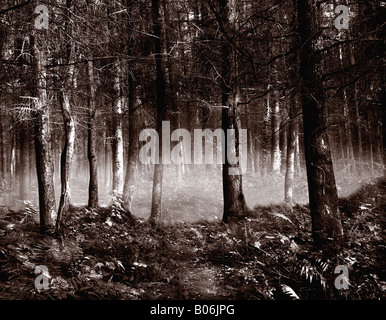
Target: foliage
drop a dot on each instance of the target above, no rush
(268, 255)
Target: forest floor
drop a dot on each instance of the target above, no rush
(269, 255)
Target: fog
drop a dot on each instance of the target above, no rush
(193, 196)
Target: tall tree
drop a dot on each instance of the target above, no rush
(276, 153)
(157, 20)
(68, 121)
(129, 182)
(42, 127)
(233, 195)
(327, 228)
(93, 195)
(117, 131)
(291, 149)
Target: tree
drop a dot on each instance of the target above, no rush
(291, 150)
(42, 127)
(327, 228)
(93, 196)
(234, 200)
(69, 123)
(129, 182)
(157, 21)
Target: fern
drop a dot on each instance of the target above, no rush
(56, 255)
(279, 216)
(287, 290)
(315, 271)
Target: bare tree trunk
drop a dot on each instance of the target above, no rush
(297, 151)
(66, 159)
(349, 143)
(93, 197)
(107, 167)
(24, 161)
(257, 150)
(266, 137)
(359, 148)
(344, 163)
(118, 135)
(69, 132)
(383, 99)
(358, 122)
(233, 195)
(129, 184)
(276, 154)
(156, 207)
(291, 148)
(3, 150)
(251, 151)
(44, 164)
(234, 200)
(327, 228)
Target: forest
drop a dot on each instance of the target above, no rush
(192, 150)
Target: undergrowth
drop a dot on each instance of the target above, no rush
(105, 254)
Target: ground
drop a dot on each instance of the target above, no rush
(103, 254)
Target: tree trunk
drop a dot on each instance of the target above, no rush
(129, 184)
(118, 135)
(266, 137)
(3, 157)
(359, 149)
(69, 130)
(24, 161)
(107, 167)
(66, 158)
(156, 207)
(327, 228)
(276, 154)
(233, 196)
(251, 151)
(348, 133)
(234, 200)
(44, 164)
(93, 197)
(297, 151)
(358, 122)
(291, 148)
(383, 100)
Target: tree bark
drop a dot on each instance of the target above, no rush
(233, 196)
(69, 131)
(297, 151)
(359, 148)
(44, 164)
(276, 154)
(291, 149)
(118, 135)
(66, 159)
(156, 207)
(93, 197)
(24, 161)
(129, 183)
(267, 137)
(3, 157)
(327, 228)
